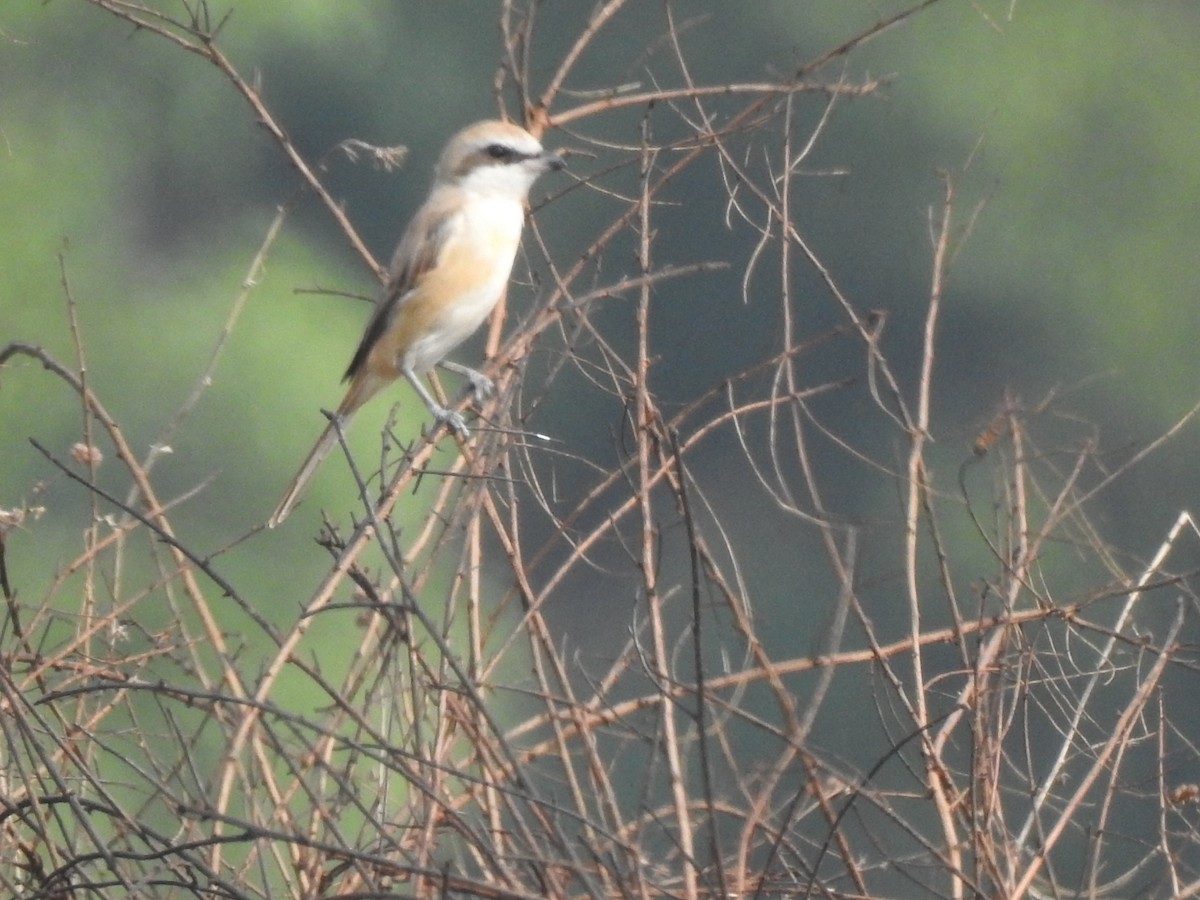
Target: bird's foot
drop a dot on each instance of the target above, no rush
(452, 420)
(482, 387)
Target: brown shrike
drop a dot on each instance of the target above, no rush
(449, 270)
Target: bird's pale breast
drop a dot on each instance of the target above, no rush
(452, 299)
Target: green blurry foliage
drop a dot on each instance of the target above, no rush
(142, 166)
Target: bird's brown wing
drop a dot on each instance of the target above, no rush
(418, 251)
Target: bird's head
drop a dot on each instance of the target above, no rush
(495, 157)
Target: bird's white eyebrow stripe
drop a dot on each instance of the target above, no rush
(481, 156)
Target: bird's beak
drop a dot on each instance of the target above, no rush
(553, 161)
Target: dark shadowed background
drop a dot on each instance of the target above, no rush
(1069, 130)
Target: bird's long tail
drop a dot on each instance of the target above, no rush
(308, 469)
(361, 389)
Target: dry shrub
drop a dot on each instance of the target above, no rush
(581, 673)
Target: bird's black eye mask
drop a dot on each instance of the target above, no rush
(503, 153)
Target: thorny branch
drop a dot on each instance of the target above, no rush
(575, 668)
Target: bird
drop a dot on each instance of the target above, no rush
(449, 270)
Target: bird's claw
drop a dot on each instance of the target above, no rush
(454, 421)
(482, 387)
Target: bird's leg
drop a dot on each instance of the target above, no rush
(445, 416)
(481, 386)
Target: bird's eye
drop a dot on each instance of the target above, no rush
(499, 151)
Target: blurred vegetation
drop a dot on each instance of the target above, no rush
(142, 167)
(138, 173)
